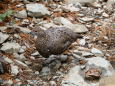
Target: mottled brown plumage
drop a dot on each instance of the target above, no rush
(54, 40)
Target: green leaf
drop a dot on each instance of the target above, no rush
(9, 12)
(6, 14)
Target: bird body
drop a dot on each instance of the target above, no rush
(54, 40)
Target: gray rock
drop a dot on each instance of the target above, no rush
(63, 58)
(25, 30)
(80, 1)
(75, 78)
(97, 52)
(22, 49)
(7, 59)
(82, 42)
(37, 10)
(70, 8)
(20, 57)
(45, 71)
(78, 28)
(105, 14)
(21, 14)
(14, 69)
(3, 37)
(10, 47)
(102, 63)
(86, 54)
(20, 63)
(62, 20)
(86, 19)
(53, 83)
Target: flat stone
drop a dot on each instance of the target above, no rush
(69, 8)
(37, 10)
(80, 1)
(105, 14)
(75, 78)
(7, 59)
(78, 28)
(10, 47)
(21, 14)
(86, 54)
(2, 28)
(96, 52)
(62, 20)
(86, 19)
(3, 37)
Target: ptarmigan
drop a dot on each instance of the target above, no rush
(54, 41)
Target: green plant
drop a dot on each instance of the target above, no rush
(6, 14)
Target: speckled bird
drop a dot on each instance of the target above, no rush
(54, 41)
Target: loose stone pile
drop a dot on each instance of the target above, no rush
(84, 63)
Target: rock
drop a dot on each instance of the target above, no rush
(19, 82)
(7, 59)
(69, 8)
(37, 10)
(21, 14)
(35, 54)
(78, 28)
(97, 5)
(53, 83)
(10, 47)
(63, 58)
(20, 63)
(14, 69)
(109, 5)
(76, 78)
(20, 57)
(8, 82)
(105, 14)
(86, 19)
(62, 20)
(86, 54)
(96, 52)
(54, 40)
(107, 81)
(24, 48)
(2, 28)
(25, 30)
(80, 1)
(107, 69)
(82, 42)
(73, 78)
(45, 71)
(93, 73)
(3, 37)
(54, 65)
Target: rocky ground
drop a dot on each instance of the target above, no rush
(86, 61)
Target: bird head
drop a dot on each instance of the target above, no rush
(41, 32)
